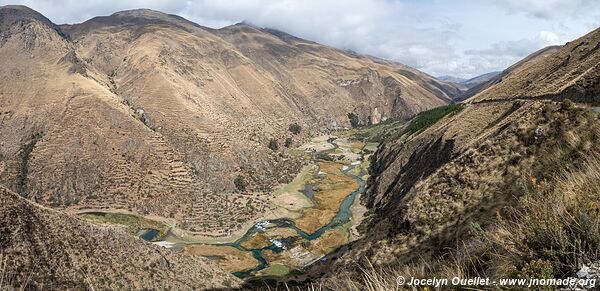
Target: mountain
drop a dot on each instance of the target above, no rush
(470, 83)
(470, 87)
(452, 79)
(497, 77)
(500, 186)
(568, 71)
(43, 249)
(152, 113)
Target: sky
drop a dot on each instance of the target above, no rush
(461, 38)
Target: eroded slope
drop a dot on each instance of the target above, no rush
(45, 249)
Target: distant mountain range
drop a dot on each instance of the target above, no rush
(479, 84)
(466, 85)
(470, 83)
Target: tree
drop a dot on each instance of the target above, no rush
(273, 145)
(295, 128)
(288, 142)
(353, 119)
(240, 183)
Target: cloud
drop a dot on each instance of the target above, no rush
(463, 39)
(550, 9)
(345, 23)
(75, 11)
(518, 48)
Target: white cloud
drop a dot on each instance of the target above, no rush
(463, 39)
(550, 9)
(548, 36)
(75, 11)
(517, 48)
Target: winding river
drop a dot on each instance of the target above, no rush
(342, 217)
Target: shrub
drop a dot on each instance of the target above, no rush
(354, 122)
(559, 225)
(273, 145)
(288, 142)
(428, 118)
(24, 167)
(240, 183)
(567, 104)
(295, 128)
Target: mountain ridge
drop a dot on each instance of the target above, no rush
(146, 112)
(479, 79)
(533, 57)
(455, 197)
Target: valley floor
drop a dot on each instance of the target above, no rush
(309, 217)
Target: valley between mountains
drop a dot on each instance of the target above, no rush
(306, 219)
(142, 151)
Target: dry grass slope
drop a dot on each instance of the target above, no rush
(570, 72)
(537, 216)
(43, 249)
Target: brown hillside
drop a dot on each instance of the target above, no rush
(571, 72)
(42, 249)
(538, 56)
(149, 112)
(462, 197)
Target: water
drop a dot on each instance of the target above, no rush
(342, 217)
(308, 191)
(149, 234)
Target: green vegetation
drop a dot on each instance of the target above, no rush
(375, 133)
(288, 142)
(295, 128)
(354, 122)
(240, 183)
(391, 129)
(296, 185)
(276, 270)
(428, 118)
(133, 224)
(324, 156)
(24, 168)
(273, 145)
